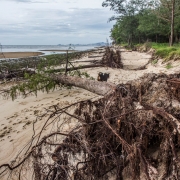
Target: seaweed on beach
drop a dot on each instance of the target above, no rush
(131, 133)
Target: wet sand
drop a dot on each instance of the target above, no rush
(19, 54)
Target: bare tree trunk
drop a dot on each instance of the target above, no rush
(129, 40)
(176, 38)
(172, 23)
(97, 87)
(156, 38)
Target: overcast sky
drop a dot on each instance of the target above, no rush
(51, 22)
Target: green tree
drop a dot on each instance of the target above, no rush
(151, 26)
(168, 10)
(126, 16)
(116, 34)
(158, 20)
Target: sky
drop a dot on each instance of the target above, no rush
(52, 22)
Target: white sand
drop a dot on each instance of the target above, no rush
(16, 118)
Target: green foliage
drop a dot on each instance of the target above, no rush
(169, 66)
(80, 74)
(44, 67)
(116, 34)
(147, 23)
(41, 82)
(154, 61)
(167, 53)
(173, 55)
(74, 73)
(86, 75)
(142, 20)
(33, 84)
(159, 45)
(164, 52)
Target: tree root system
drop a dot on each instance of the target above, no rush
(112, 58)
(132, 133)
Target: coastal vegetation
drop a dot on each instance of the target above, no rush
(166, 52)
(148, 20)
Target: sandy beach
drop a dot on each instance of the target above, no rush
(19, 54)
(17, 117)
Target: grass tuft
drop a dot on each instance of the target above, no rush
(167, 53)
(154, 61)
(169, 66)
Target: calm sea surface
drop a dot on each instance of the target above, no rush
(40, 48)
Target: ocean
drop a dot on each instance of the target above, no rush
(40, 48)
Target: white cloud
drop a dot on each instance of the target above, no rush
(54, 22)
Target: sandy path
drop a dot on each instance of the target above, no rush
(17, 116)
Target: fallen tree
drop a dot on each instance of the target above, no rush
(133, 132)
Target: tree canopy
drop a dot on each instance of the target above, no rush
(138, 21)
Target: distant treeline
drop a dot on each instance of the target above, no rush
(138, 21)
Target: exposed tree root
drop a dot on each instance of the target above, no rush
(132, 133)
(112, 58)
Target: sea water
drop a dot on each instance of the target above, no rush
(40, 48)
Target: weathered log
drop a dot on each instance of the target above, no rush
(100, 88)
